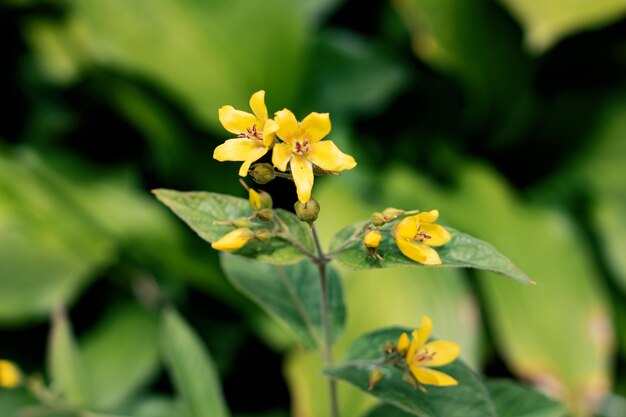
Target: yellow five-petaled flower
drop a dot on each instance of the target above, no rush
(415, 235)
(255, 133)
(419, 355)
(302, 147)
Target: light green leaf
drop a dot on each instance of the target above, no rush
(290, 294)
(514, 400)
(200, 210)
(192, 369)
(468, 399)
(547, 21)
(121, 354)
(462, 251)
(65, 365)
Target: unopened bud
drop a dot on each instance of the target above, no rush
(262, 173)
(233, 240)
(243, 222)
(391, 213)
(377, 219)
(375, 377)
(307, 212)
(10, 375)
(259, 200)
(263, 235)
(372, 239)
(265, 214)
(389, 348)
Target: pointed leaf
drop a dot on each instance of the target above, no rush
(462, 251)
(191, 368)
(514, 400)
(290, 294)
(200, 210)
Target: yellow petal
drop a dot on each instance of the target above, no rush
(423, 376)
(287, 125)
(257, 104)
(438, 235)
(444, 352)
(327, 155)
(432, 377)
(236, 121)
(316, 126)
(233, 240)
(269, 130)
(418, 252)
(281, 156)
(252, 157)
(302, 173)
(423, 332)
(413, 348)
(372, 239)
(10, 375)
(406, 229)
(428, 216)
(237, 150)
(403, 343)
(255, 200)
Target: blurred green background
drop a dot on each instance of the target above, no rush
(509, 116)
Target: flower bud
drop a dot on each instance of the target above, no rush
(262, 173)
(259, 200)
(307, 212)
(375, 377)
(266, 215)
(372, 239)
(263, 235)
(243, 222)
(377, 219)
(391, 213)
(233, 240)
(10, 375)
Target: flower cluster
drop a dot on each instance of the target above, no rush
(414, 235)
(297, 146)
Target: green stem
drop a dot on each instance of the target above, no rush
(327, 352)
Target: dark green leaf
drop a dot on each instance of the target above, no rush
(468, 399)
(200, 210)
(290, 294)
(462, 251)
(514, 400)
(191, 368)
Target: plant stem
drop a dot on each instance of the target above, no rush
(327, 352)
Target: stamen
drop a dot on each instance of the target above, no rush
(301, 147)
(252, 134)
(424, 356)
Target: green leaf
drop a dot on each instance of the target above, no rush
(192, 369)
(468, 399)
(67, 373)
(547, 21)
(462, 251)
(121, 354)
(201, 209)
(514, 400)
(387, 410)
(290, 294)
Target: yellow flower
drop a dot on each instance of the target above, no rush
(255, 133)
(415, 235)
(10, 375)
(372, 239)
(420, 354)
(233, 240)
(303, 146)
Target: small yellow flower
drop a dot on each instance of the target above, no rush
(415, 235)
(255, 200)
(420, 354)
(303, 146)
(233, 240)
(10, 375)
(372, 239)
(255, 133)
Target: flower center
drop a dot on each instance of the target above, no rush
(301, 147)
(422, 236)
(423, 356)
(251, 133)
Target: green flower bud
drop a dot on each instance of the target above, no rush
(391, 213)
(262, 173)
(243, 222)
(308, 211)
(263, 235)
(375, 377)
(265, 214)
(377, 219)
